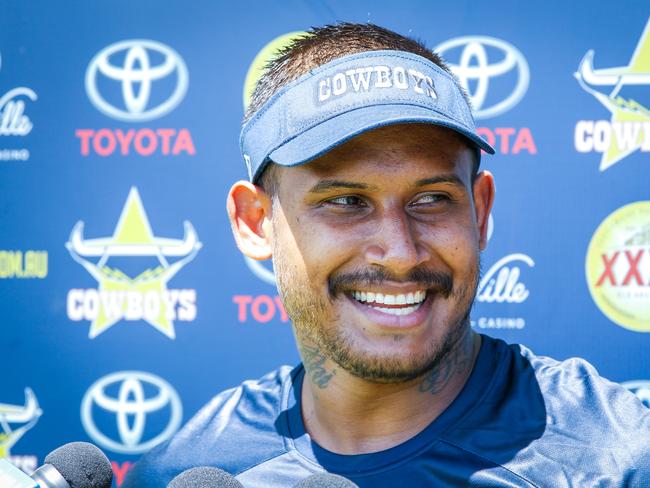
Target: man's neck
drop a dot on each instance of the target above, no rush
(348, 415)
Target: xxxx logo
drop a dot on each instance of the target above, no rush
(144, 296)
(618, 266)
(628, 130)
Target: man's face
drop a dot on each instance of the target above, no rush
(376, 249)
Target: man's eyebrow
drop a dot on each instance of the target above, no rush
(449, 178)
(327, 185)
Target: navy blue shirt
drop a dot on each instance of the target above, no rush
(521, 420)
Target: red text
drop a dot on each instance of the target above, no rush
(508, 140)
(120, 470)
(261, 308)
(145, 142)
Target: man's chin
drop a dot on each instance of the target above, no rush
(388, 368)
(396, 360)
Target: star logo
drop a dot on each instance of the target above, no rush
(27, 416)
(122, 297)
(629, 128)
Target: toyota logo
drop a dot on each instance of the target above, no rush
(133, 70)
(641, 388)
(124, 395)
(476, 72)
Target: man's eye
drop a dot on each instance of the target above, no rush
(430, 199)
(346, 201)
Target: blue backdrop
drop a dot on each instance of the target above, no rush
(124, 302)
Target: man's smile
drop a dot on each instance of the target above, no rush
(394, 311)
(399, 304)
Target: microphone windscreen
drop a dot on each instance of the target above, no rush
(82, 465)
(204, 477)
(326, 480)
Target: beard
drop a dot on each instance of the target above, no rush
(308, 310)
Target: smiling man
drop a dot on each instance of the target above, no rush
(364, 187)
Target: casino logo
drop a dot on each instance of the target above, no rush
(15, 421)
(628, 129)
(136, 81)
(641, 388)
(131, 412)
(503, 284)
(122, 297)
(495, 75)
(618, 266)
(14, 122)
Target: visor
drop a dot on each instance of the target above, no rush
(349, 96)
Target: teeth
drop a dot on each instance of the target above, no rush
(380, 298)
(398, 311)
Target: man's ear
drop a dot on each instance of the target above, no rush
(249, 210)
(483, 187)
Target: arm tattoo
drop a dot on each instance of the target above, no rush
(455, 363)
(314, 362)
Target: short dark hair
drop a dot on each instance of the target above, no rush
(319, 46)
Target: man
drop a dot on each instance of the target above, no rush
(364, 189)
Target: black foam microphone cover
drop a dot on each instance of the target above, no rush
(326, 480)
(204, 477)
(82, 465)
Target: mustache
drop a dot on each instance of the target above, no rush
(443, 283)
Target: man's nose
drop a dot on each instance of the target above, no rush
(395, 244)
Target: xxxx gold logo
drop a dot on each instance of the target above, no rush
(618, 266)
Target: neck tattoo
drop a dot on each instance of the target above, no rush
(457, 362)
(314, 362)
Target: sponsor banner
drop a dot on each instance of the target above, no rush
(15, 122)
(23, 264)
(495, 75)
(616, 88)
(123, 297)
(618, 266)
(15, 422)
(136, 81)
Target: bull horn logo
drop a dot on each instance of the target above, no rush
(26, 415)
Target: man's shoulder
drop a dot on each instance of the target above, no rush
(573, 389)
(235, 430)
(543, 413)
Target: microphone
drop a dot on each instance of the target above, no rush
(326, 480)
(73, 465)
(204, 477)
